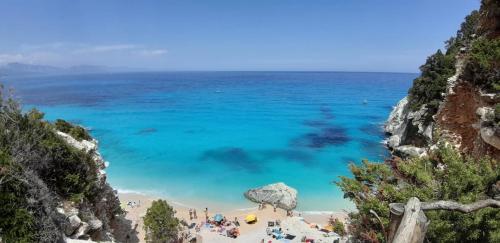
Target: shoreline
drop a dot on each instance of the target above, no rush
(221, 205)
(249, 233)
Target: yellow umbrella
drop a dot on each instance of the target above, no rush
(328, 228)
(250, 218)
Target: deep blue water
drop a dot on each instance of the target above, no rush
(212, 135)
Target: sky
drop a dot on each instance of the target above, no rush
(280, 35)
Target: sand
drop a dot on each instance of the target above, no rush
(248, 232)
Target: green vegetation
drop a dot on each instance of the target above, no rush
(483, 64)
(77, 132)
(497, 114)
(38, 169)
(338, 227)
(160, 223)
(444, 175)
(19, 227)
(429, 87)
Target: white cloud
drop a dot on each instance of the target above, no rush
(7, 58)
(67, 54)
(152, 52)
(106, 48)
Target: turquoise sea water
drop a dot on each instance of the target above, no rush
(203, 138)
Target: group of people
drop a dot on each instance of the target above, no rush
(192, 214)
(262, 205)
(133, 204)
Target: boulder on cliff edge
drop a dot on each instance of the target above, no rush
(280, 194)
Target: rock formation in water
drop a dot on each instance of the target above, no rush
(277, 194)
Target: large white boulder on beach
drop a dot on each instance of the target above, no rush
(280, 194)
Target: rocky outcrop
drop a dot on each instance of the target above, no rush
(277, 194)
(406, 151)
(490, 136)
(408, 130)
(396, 124)
(91, 217)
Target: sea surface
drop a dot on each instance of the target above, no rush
(204, 138)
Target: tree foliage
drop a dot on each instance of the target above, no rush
(38, 169)
(483, 64)
(77, 132)
(444, 175)
(160, 223)
(429, 87)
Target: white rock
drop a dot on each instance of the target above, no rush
(74, 223)
(82, 145)
(396, 123)
(486, 113)
(410, 151)
(81, 231)
(95, 224)
(280, 194)
(393, 141)
(489, 136)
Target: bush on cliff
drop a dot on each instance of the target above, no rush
(77, 132)
(38, 169)
(428, 88)
(444, 175)
(483, 64)
(160, 223)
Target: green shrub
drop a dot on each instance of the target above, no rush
(160, 223)
(77, 132)
(483, 64)
(338, 227)
(63, 125)
(17, 223)
(38, 169)
(463, 179)
(429, 87)
(497, 113)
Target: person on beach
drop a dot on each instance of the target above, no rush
(206, 214)
(274, 207)
(190, 214)
(194, 214)
(263, 205)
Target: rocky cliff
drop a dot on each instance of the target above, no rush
(53, 186)
(91, 220)
(455, 97)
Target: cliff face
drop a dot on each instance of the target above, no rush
(460, 110)
(52, 184)
(90, 219)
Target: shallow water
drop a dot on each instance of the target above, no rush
(212, 135)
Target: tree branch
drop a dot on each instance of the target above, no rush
(464, 208)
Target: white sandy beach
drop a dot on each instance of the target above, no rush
(248, 232)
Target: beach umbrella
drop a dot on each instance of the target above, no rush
(218, 217)
(328, 228)
(250, 218)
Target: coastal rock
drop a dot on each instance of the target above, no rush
(280, 194)
(82, 231)
(407, 151)
(81, 145)
(489, 136)
(396, 123)
(486, 113)
(74, 223)
(95, 224)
